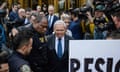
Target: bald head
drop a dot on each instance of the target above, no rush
(51, 9)
(21, 10)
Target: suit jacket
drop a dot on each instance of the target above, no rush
(76, 29)
(13, 16)
(50, 30)
(56, 64)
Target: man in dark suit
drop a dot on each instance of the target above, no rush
(51, 19)
(58, 50)
(75, 26)
(14, 14)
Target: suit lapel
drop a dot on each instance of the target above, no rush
(65, 47)
(53, 45)
(52, 21)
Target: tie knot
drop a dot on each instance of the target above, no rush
(59, 39)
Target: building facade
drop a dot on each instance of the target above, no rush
(59, 4)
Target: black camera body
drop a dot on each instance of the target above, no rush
(103, 25)
(100, 23)
(2, 13)
(111, 6)
(5, 52)
(84, 9)
(83, 12)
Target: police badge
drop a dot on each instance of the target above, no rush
(25, 68)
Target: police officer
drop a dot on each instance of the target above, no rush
(38, 55)
(22, 47)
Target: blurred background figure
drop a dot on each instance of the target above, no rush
(100, 21)
(28, 13)
(42, 13)
(113, 36)
(45, 9)
(51, 19)
(116, 19)
(67, 19)
(86, 23)
(75, 26)
(14, 13)
(4, 51)
(18, 5)
(21, 18)
(38, 9)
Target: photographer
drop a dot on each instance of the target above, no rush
(2, 29)
(100, 21)
(3, 49)
(110, 8)
(86, 23)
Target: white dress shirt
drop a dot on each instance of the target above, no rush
(26, 21)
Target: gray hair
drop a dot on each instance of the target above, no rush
(38, 7)
(59, 22)
(65, 16)
(50, 7)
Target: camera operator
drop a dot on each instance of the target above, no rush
(2, 29)
(3, 50)
(100, 21)
(87, 24)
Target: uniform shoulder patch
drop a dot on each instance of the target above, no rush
(25, 68)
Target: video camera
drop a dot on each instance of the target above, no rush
(110, 6)
(4, 51)
(83, 11)
(102, 25)
(2, 13)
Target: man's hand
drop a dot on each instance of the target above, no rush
(4, 67)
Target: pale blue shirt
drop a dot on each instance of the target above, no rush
(52, 16)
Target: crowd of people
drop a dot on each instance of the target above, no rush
(38, 40)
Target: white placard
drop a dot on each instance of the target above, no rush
(94, 56)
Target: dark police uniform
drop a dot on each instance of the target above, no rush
(38, 56)
(17, 63)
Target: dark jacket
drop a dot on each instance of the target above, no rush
(38, 55)
(56, 64)
(50, 30)
(13, 16)
(76, 29)
(16, 61)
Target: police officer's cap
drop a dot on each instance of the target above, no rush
(100, 7)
